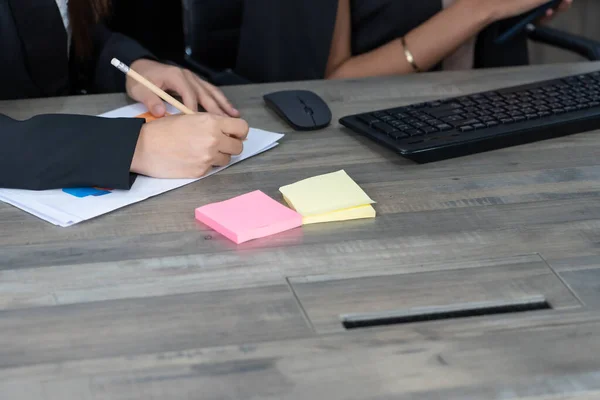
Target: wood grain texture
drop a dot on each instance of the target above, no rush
(326, 298)
(586, 282)
(146, 303)
(538, 360)
(136, 326)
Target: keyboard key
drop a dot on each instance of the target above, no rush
(544, 113)
(444, 127)
(479, 126)
(396, 110)
(379, 114)
(469, 122)
(443, 112)
(429, 129)
(570, 109)
(419, 125)
(507, 120)
(415, 132)
(368, 119)
(455, 118)
(466, 128)
(398, 135)
(399, 115)
(519, 118)
(383, 127)
(387, 118)
(532, 116)
(492, 123)
(558, 110)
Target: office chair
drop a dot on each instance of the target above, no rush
(585, 47)
(211, 35)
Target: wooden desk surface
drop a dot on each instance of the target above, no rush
(145, 303)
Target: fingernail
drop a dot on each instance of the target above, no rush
(158, 109)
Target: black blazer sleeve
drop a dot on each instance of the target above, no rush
(58, 151)
(109, 45)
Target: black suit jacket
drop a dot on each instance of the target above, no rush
(60, 150)
(290, 40)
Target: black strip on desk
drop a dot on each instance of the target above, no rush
(423, 314)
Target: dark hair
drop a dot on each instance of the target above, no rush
(83, 15)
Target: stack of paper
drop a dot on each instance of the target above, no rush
(250, 216)
(70, 206)
(329, 197)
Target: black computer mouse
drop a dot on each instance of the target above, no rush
(302, 109)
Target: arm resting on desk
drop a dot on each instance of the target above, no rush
(57, 151)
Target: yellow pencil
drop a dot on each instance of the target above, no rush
(155, 89)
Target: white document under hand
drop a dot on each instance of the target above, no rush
(66, 207)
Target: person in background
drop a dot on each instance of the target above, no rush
(60, 47)
(448, 36)
(358, 38)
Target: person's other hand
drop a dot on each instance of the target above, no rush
(495, 10)
(187, 146)
(182, 82)
(550, 14)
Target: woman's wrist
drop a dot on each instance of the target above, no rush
(480, 12)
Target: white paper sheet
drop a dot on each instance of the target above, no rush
(63, 209)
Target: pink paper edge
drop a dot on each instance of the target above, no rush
(217, 227)
(283, 226)
(293, 222)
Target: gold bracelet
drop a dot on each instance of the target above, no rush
(409, 56)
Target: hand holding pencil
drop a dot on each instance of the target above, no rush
(173, 148)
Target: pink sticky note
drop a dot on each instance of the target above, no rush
(250, 216)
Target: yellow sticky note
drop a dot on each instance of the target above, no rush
(329, 197)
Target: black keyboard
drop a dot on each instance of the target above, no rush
(456, 127)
